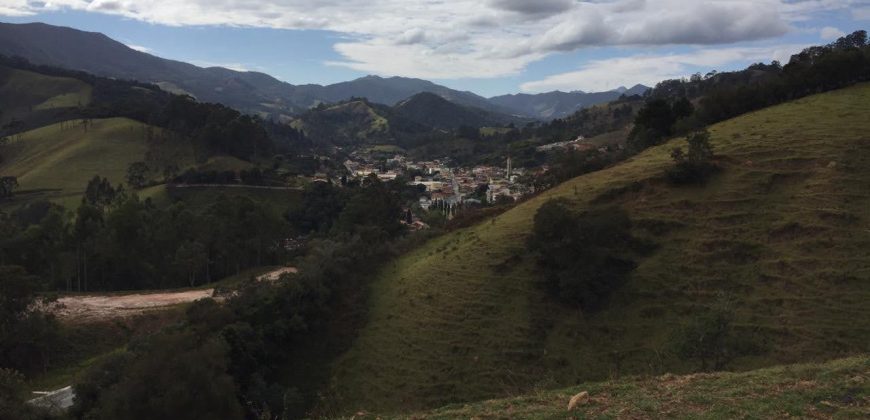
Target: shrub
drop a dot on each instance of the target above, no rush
(695, 166)
(582, 257)
(710, 339)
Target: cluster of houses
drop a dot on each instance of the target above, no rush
(446, 187)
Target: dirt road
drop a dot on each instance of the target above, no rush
(101, 307)
(85, 308)
(273, 276)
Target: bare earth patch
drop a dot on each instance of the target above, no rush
(273, 276)
(89, 308)
(100, 307)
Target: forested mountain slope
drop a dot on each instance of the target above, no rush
(779, 235)
(255, 92)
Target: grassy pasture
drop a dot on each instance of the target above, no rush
(837, 389)
(782, 232)
(22, 92)
(58, 160)
(55, 162)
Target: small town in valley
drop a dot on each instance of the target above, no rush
(447, 187)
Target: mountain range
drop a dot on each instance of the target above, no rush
(256, 92)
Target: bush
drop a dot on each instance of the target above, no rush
(172, 375)
(710, 339)
(26, 336)
(583, 257)
(696, 166)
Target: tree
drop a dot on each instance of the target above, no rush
(170, 172)
(191, 257)
(709, 338)
(99, 192)
(3, 142)
(172, 375)
(88, 225)
(26, 335)
(12, 404)
(136, 174)
(8, 185)
(695, 166)
(700, 149)
(583, 258)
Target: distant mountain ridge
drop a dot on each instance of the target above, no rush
(557, 104)
(256, 92)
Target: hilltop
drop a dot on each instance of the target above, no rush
(780, 232)
(424, 118)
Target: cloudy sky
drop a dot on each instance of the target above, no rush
(490, 47)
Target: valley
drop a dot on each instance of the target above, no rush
(191, 241)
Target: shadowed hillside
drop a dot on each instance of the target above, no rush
(781, 233)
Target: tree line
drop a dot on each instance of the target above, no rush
(265, 353)
(116, 241)
(678, 107)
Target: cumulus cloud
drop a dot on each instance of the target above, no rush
(533, 8)
(602, 75)
(449, 39)
(829, 33)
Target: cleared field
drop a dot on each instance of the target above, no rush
(836, 389)
(61, 158)
(22, 92)
(88, 308)
(225, 163)
(782, 231)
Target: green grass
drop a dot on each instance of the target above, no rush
(783, 230)
(225, 163)
(61, 158)
(65, 376)
(22, 92)
(157, 193)
(838, 389)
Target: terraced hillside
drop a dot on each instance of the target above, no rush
(836, 389)
(58, 160)
(783, 232)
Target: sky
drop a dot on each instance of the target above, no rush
(490, 47)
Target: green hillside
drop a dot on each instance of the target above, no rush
(351, 122)
(783, 231)
(23, 92)
(836, 389)
(58, 160)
